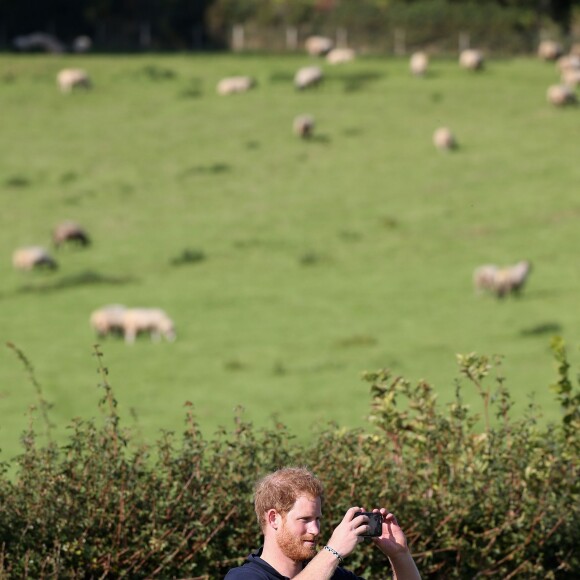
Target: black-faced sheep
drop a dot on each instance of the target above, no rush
(560, 95)
(550, 50)
(151, 320)
(32, 257)
(108, 320)
(71, 78)
(233, 85)
(303, 126)
(308, 76)
(70, 232)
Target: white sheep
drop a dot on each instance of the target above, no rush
(511, 279)
(82, 43)
(560, 95)
(471, 59)
(444, 139)
(108, 320)
(318, 45)
(69, 78)
(340, 55)
(152, 320)
(69, 231)
(484, 277)
(419, 63)
(549, 50)
(303, 126)
(308, 76)
(232, 85)
(31, 257)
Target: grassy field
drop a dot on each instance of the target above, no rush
(321, 259)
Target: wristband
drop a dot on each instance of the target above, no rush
(334, 553)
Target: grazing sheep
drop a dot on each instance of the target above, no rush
(484, 277)
(70, 232)
(152, 320)
(303, 126)
(444, 139)
(511, 280)
(32, 257)
(340, 55)
(318, 45)
(419, 63)
(108, 320)
(308, 76)
(570, 78)
(549, 50)
(560, 95)
(568, 62)
(232, 85)
(471, 59)
(70, 78)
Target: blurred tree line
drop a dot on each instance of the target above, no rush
(186, 24)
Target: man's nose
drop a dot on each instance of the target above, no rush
(314, 528)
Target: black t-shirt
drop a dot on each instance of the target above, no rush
(254, 568)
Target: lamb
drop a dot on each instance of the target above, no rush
(340, 55)
(108, 320)
(471, 59)
(444, 139)
(560, 95)
(68, 231)
(303, 126)
(318, 45)
(152, 320)
(70, 78)
(419, 63)
(549, 50)
(232, 85)
(308, 76)
(31, 257)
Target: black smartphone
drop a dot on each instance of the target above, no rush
(375, 524)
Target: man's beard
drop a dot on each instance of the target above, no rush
(292, 547)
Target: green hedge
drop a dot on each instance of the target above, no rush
(479, 495)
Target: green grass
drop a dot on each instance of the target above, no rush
(321, 259)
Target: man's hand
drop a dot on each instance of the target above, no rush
(392, 541)
(348, 533)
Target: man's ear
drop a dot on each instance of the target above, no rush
(273, 519)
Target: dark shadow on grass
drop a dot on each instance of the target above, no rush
(354, 82)
(320, 139)
(213, 169)
(542, 329)
(282, 77)
(87, 278)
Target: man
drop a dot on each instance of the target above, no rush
(288, 505)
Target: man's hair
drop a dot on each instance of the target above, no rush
(280, 490)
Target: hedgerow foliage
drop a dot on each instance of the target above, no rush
(478, 496)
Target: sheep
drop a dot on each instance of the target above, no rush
(108, 320)
(570, 78)
(511, 279)
(82, 43)
(444, 139)
(232, 85)
(31, 257)
(69, 232)
(484, 277)
(308, 76)
(38, 41)
(340, 55)
(303, 125)
(70, 78)
(419, 63)
(560, 95)
(471, 59)
(568, 62)
(549, 50)
(152, 320)
(501, 281)
(318, 45)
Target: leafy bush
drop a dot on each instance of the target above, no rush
(478, 496)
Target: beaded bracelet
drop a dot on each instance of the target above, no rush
(334, 552)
